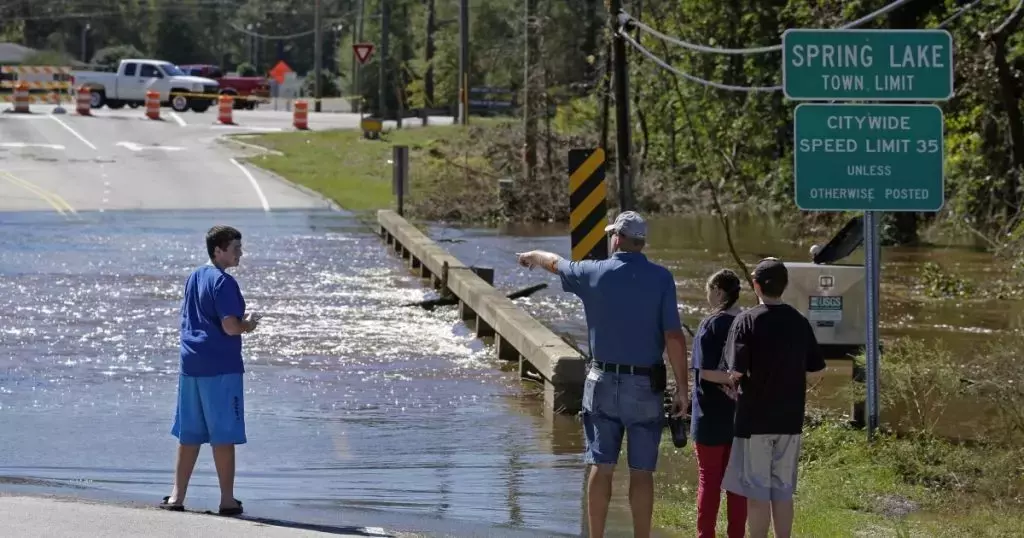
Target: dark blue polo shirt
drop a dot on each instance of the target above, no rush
(713, 411)
(629, 303)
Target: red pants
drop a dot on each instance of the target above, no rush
(711, 463)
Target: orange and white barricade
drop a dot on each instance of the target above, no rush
(37, 77)
(224, 109)
(300, 116)
(153, 105)
(83, 102)
(21, 98)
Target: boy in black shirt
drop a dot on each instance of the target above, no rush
(773, 352)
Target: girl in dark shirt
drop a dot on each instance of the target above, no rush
(713, 409)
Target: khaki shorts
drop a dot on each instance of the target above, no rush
(763, 467)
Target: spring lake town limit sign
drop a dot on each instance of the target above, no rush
(850, 157)
(867, 65)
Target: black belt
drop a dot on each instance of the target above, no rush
(622, 368)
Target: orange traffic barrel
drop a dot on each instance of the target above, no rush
(153, 105)
(300, 115)
(21, 98)
(83, 102)
(225, 105)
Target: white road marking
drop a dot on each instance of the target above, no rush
(181, 121)
(251, 146)
(24, 145)
(139, 147)
(72, 131)
(255, 185)
(247, 128)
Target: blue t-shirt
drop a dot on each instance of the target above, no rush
(713, 411)
(629, 303)
(206, 350)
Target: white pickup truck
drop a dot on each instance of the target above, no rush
(128, 86)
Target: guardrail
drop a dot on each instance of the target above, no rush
(542, 355)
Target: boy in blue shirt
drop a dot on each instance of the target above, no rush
(210, 394)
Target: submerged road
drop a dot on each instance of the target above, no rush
(363, 413)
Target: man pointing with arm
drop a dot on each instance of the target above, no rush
(632, 320)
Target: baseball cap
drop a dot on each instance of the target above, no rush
(771, 270)
(628, 224)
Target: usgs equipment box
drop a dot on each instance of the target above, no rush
(830, 295)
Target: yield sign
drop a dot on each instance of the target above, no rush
(363, 51)
(279, 71)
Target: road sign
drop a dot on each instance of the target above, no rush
(870, 65)
(362, 51)
(850, 157)
(279, 71)
(588, 204)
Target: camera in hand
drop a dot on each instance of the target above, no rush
(677, 425)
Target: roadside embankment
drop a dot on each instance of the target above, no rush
(456, 173)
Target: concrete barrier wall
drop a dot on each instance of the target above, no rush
(542, 355)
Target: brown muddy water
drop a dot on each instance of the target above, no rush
(359, 410)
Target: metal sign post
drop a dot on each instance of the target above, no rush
(872, 273)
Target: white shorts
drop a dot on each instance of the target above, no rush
(764, 467)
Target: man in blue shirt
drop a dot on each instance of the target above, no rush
(632, 319)
(210, 394)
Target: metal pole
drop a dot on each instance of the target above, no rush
(85, 45)
(318, 55)
(385, 57)
(871, 273)
(400, 174)
(463, 62)
(622, 125)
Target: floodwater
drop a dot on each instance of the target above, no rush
(357, 407)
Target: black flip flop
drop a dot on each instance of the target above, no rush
(236, 511)
(166, 505)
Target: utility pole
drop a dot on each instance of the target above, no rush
(385, 57)
(429, 49)
(622, 125)
(357, 69)
(318, 55)
(529, 96)
(464, 62)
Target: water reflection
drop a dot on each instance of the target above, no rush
(354, 401)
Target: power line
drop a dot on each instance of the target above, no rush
(665, 65)
(957, 15)
(758, 89)
(756, 50)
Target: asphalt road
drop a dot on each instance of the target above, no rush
(120, 160)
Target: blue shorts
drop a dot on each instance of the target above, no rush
(616, 404)
(210, 410)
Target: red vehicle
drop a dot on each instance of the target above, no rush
(250, 90)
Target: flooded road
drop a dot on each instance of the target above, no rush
(354, 402)
(356, 405)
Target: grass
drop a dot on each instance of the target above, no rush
(350, 170)
(848, 488)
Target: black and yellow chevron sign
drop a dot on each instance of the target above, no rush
(588, 205)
